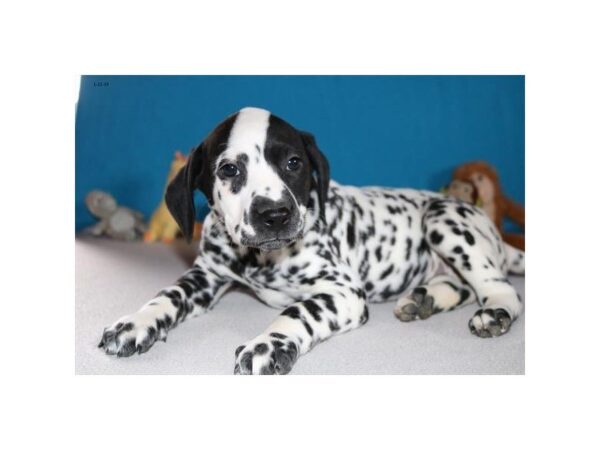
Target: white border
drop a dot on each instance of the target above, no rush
(47, 45)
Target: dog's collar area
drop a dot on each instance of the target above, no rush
(273, 244)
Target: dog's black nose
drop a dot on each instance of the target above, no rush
(275, 218)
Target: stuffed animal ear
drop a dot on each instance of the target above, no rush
(180, 193)
(321, 167)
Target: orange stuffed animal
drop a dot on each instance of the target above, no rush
(491, 199)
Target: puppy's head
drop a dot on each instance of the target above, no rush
(256, 171)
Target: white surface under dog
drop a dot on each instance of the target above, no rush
(112, 278)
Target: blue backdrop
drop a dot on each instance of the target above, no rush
(404, 131)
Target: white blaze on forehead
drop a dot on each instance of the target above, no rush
(249, 129)
(248, 136)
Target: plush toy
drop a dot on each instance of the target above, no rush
(115, 221)
(162, 226)
(487, 194)
(463, 190)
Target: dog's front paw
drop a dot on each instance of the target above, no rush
(490, 322)
(268, 354)
(134, 333)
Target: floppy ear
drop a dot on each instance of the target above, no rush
(180, 193)
(321, 166)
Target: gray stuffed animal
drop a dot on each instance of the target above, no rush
(115, 221)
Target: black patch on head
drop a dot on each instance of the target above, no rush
(198, 173)
(239, 181)
(285, 142)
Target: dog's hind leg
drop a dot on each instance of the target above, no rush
(441, 293)
(465, 238)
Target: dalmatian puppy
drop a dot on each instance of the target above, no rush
(316, 249)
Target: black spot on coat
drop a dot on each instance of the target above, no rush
(469, 237)
(436, 237)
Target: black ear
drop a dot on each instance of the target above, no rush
(180, 193)
(321, 166)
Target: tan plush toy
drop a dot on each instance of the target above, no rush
(488, 196)
(463, 190)
(162, 226)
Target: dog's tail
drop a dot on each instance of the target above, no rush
(516, 260)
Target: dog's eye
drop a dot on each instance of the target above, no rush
(228, 170)
(294, 164)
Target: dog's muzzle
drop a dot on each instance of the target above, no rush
(275, 223)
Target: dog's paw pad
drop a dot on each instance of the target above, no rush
(132, 334)
(272, 354)
(490, 322)
(418, 306)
